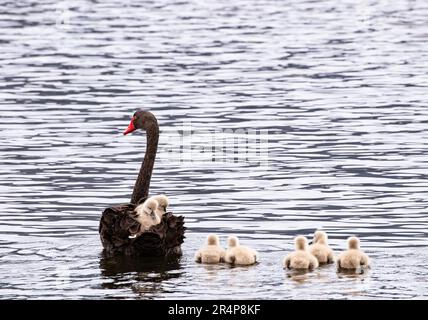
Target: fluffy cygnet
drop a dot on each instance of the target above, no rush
(239, 255)
(163, 204)
(353, 258)
(301, 259)
(212, 252)
(146, 215)
(320, 249)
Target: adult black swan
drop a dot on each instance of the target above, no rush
(120, 232)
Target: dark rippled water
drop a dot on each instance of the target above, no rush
(338, 89)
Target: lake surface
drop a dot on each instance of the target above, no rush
(335, 93)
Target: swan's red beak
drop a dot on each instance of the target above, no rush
(131, 127)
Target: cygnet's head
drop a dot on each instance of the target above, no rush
(232, 241)
(162, 200)
(213, 240)
(150, 206)
(301, 243)
(353, 243)
(320, 237)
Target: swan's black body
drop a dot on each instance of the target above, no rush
(117, 225)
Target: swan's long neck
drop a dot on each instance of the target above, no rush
(142, 184)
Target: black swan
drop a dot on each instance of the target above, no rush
(119, 231)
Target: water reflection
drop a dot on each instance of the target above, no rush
(353, 273)
(143, 276)
(320, 275)
(113, 265)
(298, 276)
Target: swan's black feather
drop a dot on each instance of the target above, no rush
(117, 224)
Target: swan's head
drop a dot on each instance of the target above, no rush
(301, 243)
(149, 207)
(320, 237)
(144, 120)
(213, 240)
(162, 200)
(232, 241)
(353, 243)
